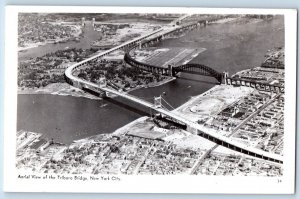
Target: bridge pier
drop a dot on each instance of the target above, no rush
(191, 130)
(161, 71)
(77, 85)
(224, 77)
(170, 70)
(103, 94)
(257, 86)
(228, 81)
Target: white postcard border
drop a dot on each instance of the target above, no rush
(150, 184)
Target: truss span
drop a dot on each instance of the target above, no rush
(187, 68)
(199, 69)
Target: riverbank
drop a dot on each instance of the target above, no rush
(212, 101)
(63, 89)
(153, 84)
(66, 89)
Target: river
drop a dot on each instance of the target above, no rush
(230, 47)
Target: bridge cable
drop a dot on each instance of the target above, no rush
(167, 103)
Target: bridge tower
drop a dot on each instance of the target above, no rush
(170, 70)
(225, 76)
(157, 102)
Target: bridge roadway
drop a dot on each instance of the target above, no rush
(192, 126)
(180, 19)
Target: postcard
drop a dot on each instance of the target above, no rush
(150, 100)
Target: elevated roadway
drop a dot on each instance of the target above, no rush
(191, 126)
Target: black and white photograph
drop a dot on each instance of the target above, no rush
(148, 92)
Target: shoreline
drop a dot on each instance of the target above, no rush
(194, 98)
(118, 132)
(64, 89)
